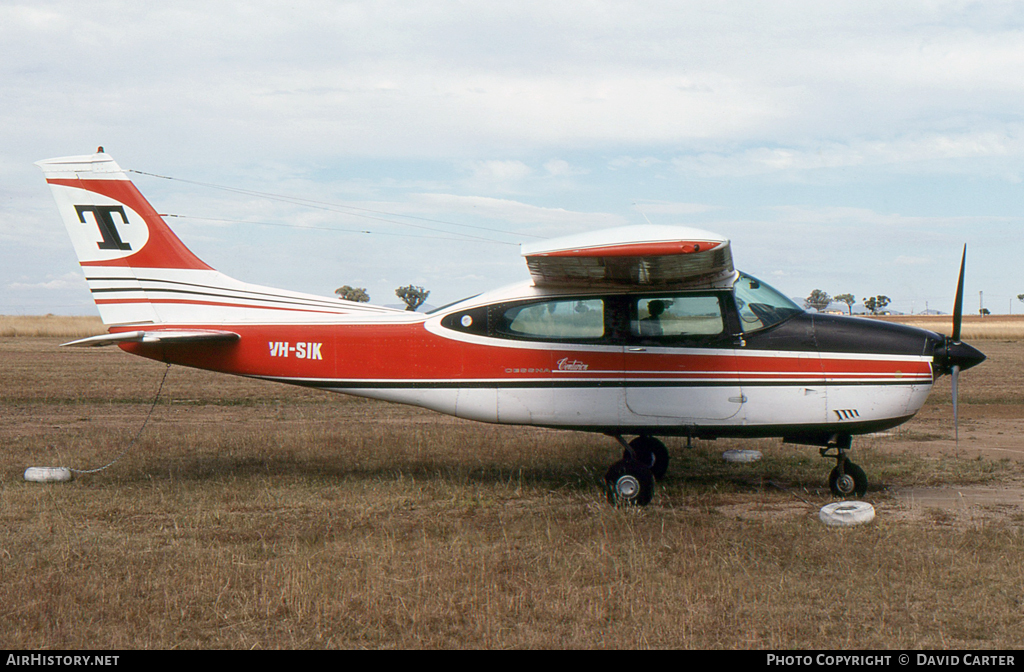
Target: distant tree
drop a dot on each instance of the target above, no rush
(412, 296)
(1020, 297)
(985, 311)
(818, 300)
(848, 299)
(876, 304)
(352, 293)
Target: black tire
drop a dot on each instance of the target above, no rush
(629, 484)
(651, 453)
(853, 481)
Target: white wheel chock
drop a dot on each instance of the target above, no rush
(48, 474)
(741, 455)
(846, 514)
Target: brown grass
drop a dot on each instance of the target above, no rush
(56, 326)
(253, 515)
(974, 327)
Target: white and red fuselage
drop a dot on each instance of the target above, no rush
(644, 331)
(616, 386)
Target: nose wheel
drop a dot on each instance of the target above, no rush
(846, 479)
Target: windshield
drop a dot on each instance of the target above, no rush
(761, 305)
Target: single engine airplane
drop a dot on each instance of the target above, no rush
(639, 331)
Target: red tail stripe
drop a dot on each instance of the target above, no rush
(162, 250)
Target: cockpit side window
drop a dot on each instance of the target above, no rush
(760, 305)
(680, 316)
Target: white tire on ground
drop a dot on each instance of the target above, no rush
(846, 514)
(48, 474)
(741, 455)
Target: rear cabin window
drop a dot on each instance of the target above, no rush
(677, 317)
(575, 319)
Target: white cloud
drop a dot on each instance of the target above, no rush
(560, 168)
(670, 208)
(907, 260)
(670, 105)
(456, 80)
(939, 152)
(547, 221)
(499, 171)
(68, 281)
(630, 162)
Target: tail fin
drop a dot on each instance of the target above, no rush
(109, 221)
(114, 231)
(140, 273)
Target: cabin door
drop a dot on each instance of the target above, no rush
(679, 363)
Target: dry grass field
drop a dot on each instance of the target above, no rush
(251, 515)
(59, 326)
(975, 327)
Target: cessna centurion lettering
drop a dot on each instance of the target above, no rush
(638, 332)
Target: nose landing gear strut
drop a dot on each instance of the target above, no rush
(846, 478)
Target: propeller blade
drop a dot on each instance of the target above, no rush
(956, 414)
(958, 305)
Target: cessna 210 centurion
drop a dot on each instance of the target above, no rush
(639, 332)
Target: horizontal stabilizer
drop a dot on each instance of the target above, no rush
(156, 337)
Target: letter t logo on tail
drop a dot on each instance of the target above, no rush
(105, 223)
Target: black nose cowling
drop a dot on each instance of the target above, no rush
(950, 353)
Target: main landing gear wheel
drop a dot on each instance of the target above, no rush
(629, 483)
(651, 453)
(848, 479)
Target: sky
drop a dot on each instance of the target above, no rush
(853, 147)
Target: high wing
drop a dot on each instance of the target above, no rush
(642, 256)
